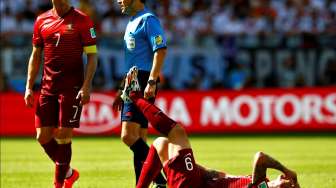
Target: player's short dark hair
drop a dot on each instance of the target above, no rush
(143, 1)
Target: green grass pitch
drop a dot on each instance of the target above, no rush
(107, 163)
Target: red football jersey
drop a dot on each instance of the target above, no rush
(63, 39)
(183, 172)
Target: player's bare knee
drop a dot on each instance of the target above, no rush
(178, 131)
(143, 134)
(160, 143)
(129, 139)
(44, 135)
(178, 136)
(43, 138)
(125, 138)
(130, 132)
(40, 139)
(63, 140)
(161, 146)
(64, 136)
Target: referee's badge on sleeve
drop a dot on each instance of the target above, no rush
(158, 40)
(130, 42)
(92, 32)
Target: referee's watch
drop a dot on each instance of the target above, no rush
(151, 82)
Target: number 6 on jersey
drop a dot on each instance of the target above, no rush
(188, 163)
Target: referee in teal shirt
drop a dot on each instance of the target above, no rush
(145, 47)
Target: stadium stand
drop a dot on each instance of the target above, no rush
(238, 29)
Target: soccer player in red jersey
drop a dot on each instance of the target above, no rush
(173, 153)
(63, 34)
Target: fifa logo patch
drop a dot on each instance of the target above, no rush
(158, 40)
(130, 43)
(92, 32)
(69, 27)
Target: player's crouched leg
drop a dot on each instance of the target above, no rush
(157, 155)
(161, 146)
(179, 137)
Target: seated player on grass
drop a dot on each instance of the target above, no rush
(173, 153)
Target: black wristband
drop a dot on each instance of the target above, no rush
(151, 82)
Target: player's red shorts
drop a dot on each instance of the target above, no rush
(182, 171)
(229, 182)
(62, 110)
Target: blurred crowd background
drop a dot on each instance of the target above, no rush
(212, 44)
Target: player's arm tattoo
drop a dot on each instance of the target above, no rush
(261, 163)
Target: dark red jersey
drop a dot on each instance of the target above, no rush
(63, 39)
(183, 172)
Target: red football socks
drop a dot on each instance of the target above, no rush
(63, 158)
(50, 148)
(140, 150)
(151, 168)
(160, 121)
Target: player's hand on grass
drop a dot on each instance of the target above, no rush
(149, 91)
(29, 98)
(83, 95)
